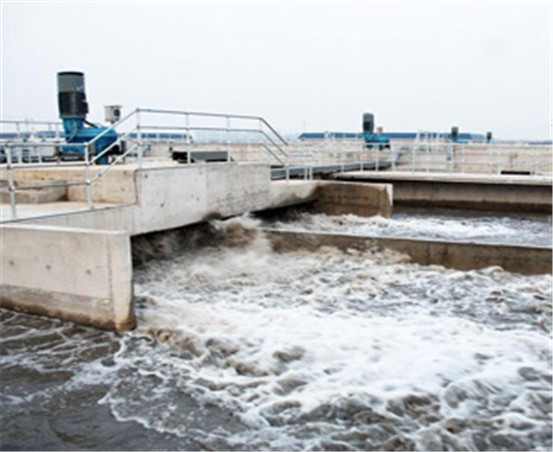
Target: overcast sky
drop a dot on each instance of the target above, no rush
(302, 65)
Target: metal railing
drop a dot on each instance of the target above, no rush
(145, 133)
(475, 158)
(30, 130)
(138, 132)
(433, 155)
(217, 132)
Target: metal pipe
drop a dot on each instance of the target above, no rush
(11, 184)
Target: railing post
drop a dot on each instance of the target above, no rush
(11, 182)
(87, 175)
(139, 138)
(228, 137)
(188, 137)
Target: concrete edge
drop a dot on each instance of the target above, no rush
(458, 255)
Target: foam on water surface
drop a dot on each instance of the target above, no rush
(508, 228)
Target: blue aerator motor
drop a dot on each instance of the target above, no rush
(73, 109)
(455, 138)
(373, 140)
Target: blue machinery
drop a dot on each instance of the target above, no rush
(380, 141)
(73, 109)
(373, 140)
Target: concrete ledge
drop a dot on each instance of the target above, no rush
(514, 193)
(37, 196)
(458, 255)
(79, 275)
(365, 200)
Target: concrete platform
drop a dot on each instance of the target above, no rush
(465, 191)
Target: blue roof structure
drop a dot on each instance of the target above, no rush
(390, 135)
(53, 134)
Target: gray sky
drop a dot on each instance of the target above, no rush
(302, 65)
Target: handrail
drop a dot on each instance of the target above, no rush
(216, 115)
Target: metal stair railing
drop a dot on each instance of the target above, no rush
(274, 144)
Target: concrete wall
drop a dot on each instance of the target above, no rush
(463, 191)
(73, 274)
(459, 255)
(364, 200)
(174, 197)
(474, 196)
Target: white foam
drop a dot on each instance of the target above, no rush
(278, 338)
(500, 229)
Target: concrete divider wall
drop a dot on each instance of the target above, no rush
(466, 191)
(176, 196)
(458, 255)
(73, 274)
(356, 198)
(533, 198)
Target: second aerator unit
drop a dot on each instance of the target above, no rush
(372, 139)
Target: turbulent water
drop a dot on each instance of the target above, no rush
(447, 224)
(238, 347)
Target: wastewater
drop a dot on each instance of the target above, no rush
(241, 348)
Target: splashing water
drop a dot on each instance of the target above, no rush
(339, 350)
(242, 348)
(514, 229)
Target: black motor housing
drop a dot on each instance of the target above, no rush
(368, 123)
(455, 133)
(71, 95)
